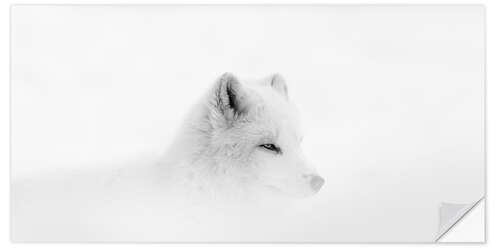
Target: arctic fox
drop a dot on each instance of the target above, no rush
(243, 135)
(239, 146)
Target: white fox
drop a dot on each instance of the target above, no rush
(245, 135)
(242, 140)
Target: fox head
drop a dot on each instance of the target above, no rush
(253, 135)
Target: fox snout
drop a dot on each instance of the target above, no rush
(315, 181)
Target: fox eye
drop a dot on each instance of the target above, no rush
(271, 147)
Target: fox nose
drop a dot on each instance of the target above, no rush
(316, 182)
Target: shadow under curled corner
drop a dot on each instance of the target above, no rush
(450, 214)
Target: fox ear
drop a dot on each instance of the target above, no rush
(229, 100)
(279, 84)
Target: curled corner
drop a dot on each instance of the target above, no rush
(450, 214)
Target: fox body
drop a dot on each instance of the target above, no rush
(239, 143)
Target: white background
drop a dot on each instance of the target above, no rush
(390, 97)
(491, 101)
